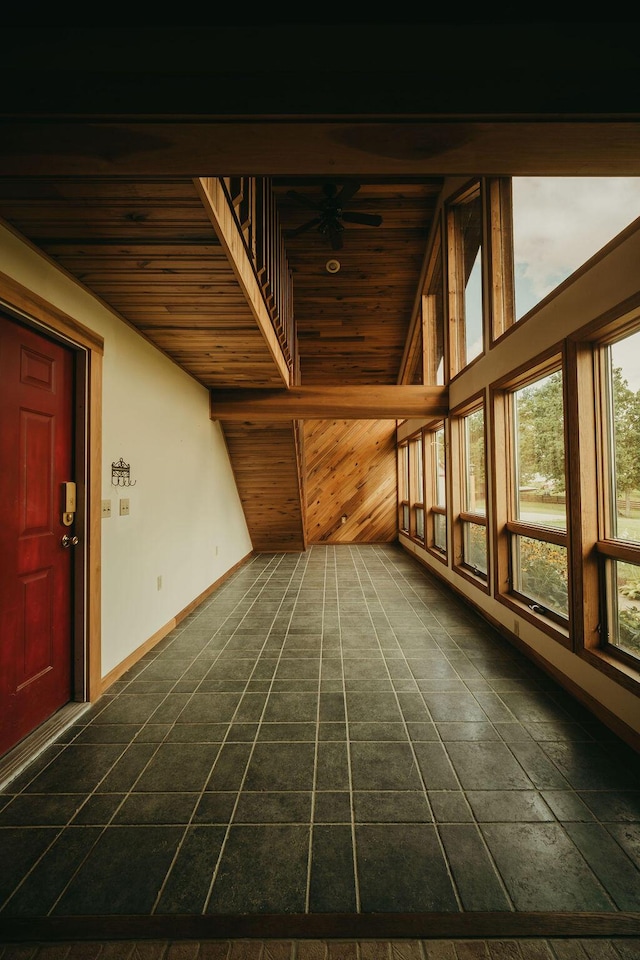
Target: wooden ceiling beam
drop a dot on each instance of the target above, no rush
(344, 402)
(129, 148)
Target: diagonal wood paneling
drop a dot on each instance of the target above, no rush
(264, 461)
(350, 469)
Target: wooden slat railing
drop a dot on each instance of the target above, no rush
(255, 212)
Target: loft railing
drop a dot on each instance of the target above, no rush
(254, 208)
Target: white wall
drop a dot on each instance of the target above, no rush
(186, 522)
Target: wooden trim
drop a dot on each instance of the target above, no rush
(626, 674)
(212, 194)
(582, 494)
(24, 301)
(121, 668)
(533, 531)
(93, 667)
(345, 402)
(612, 325)
(617, 550)
(500, 267)
(479, 518)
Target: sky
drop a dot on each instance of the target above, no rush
(559, 223)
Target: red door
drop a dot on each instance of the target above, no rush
(36, 451)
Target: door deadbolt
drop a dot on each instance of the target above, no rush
(68, 541)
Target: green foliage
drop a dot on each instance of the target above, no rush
(543, 571)
(629, 630)
(631, 588)
(540, 433)
(626, 426)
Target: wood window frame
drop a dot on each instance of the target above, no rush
(433, 509)
(417, 486)
(409, 450)
(500, 255)
(506, 526)
(459, 515)
(593, 548)
(433, 314)
(456, 281)
(404, 507)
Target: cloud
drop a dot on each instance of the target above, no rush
(560, 222)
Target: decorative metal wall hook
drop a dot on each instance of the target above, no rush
(120, 474)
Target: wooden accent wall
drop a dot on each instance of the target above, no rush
(264, 458)
(351, 470)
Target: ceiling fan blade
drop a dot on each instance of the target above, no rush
(370, 219)
(306, 201)
(305, 226)
(348, 191)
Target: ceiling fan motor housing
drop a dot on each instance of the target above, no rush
(331, 213)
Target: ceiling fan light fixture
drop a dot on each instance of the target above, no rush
(332, 266)
(331, 215)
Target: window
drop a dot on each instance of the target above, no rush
(403, 487)
(561, 222)
(471, 532)
(417, 488)
(433, 317)
(424, 359)
(539, 556)
(533, 540)
(619, 547)
(436, 490)
(464, 224)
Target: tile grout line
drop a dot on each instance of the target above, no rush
(214, 877)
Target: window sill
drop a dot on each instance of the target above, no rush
(481, 583)
(623, 673)
(550, 627)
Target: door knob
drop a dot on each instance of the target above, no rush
(68, 541)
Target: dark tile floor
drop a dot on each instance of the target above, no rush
(330, 732)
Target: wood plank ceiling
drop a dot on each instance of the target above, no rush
(353, 324)
(149, 249)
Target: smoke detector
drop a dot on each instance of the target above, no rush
(332, 266)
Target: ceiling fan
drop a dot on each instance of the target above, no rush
(331, 215)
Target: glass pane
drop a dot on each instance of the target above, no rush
(420, 523)
(475, 487)
(440, 531)
(540, 573)
(404, 473)
(419, 491)
(559, 223)
(468, 226)
(624, 357)
(405, 517)
(433, 318)
(474, 545)
(539, 442)
(439, 468)
(624, 606)
(473, 311)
